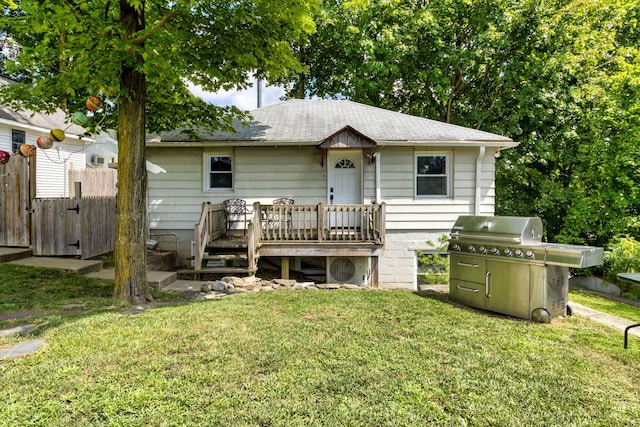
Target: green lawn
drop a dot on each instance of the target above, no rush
(625, 311)
(321, 358)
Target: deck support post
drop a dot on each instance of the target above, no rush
(284, 268)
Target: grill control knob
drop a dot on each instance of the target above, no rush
(482, 250)
(471, 248)
(529, 254)
(507, 252)
(455, 246)
(518, 253)
(494, 251)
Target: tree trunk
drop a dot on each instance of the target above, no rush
(130, 245)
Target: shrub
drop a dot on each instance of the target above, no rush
(433, 266)
(623, 257)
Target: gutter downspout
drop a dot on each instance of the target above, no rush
(481, 153)
(376, 156)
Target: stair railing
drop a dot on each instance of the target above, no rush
(201, 236)
(210, 227)
(254, 235)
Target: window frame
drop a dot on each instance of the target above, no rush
(15, 146)
(447, 175)
(206, 176)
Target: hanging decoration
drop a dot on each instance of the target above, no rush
(28, 150)
(79, 118)
(44, 142)
(57, 135)
(4, 157)
(94, 103)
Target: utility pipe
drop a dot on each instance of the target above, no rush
(481, 153)
(376, 156)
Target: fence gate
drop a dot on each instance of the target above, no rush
(15, 187)
(81, 227)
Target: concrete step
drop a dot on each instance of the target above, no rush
(155, 279)
(11, 254)
(72, 265)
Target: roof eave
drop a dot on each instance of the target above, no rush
(500, 144)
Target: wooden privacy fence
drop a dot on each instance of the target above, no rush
(93, 182)
(84, 227)
(15, 186)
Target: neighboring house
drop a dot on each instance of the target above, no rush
(76, 152)
(421, 174)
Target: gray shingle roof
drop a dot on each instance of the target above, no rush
(309, 122)
(40, 120)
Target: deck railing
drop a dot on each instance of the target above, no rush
(294, 224)
(321, 223)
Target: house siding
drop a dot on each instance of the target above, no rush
(52, 165)
(263, 174)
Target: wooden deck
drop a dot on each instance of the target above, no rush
(288, 231)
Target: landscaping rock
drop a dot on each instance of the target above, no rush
(219, 286)
(328, 286)
(285, 282)
(239, 285)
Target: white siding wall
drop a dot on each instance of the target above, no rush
(406, 212)
(5, 138)
(52, 165)
(262, 174)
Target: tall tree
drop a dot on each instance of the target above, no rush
(558, 76)
(139, 57)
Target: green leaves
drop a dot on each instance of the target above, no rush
(562, 78)
(70, 51)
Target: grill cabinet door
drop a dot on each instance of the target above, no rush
(508, 288)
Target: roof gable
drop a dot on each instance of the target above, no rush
(347, 137)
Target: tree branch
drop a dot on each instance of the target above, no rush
(140, 40)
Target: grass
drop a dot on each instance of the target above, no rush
(314, 358)
(625, 311)
(55, 293)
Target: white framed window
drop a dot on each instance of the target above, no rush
(17, 139)
(218, 172)
(432, 175)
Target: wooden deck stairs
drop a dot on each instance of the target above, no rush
(227, 256)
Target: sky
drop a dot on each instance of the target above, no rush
(245, 99)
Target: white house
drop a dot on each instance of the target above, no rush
(53, 165)
(421, 174)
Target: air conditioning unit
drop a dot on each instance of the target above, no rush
(95, 159)
(351, 270)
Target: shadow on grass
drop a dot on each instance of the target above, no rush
(49, 298)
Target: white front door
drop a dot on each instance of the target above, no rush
(345, 181)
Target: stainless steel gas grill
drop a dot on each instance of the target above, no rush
(500, 264)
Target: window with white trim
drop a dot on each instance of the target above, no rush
(432, 175)
(17, 139)
(219, 172)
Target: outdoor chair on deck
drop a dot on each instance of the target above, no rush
(236, 211)
(283, 201)
(275, 220)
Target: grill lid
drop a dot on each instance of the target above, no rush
(507, 229)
